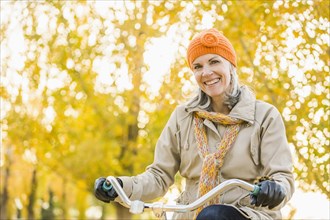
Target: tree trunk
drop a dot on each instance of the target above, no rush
(18, 213)
(104, 212)
(48, 213)
(32, 196)
(122, 212)
(4, 195)
(64, 206)
(81, 204)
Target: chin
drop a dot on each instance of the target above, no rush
(215, 94)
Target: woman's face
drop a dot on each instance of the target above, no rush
(212, 73)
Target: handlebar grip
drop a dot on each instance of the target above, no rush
(106, 186)
(256, 190)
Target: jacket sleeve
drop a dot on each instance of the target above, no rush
(159, 176)
(275, 155)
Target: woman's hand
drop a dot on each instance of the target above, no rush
(271, 194)
(103, 195)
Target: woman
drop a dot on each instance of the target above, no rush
(222, 133)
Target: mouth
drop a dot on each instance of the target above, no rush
(212, 82)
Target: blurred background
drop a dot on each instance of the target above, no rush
(87, 86)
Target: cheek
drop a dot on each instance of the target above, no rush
(227, 76)
(228, 79)
(197, 78)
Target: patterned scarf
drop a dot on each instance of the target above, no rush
(213, 161)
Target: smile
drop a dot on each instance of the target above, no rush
(213, 81)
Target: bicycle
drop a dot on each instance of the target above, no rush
(159, 209)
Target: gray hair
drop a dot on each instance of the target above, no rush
(232, 97)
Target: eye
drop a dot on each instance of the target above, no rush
(196, 67)
(214, 61)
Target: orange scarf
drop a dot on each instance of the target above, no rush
(213, 161)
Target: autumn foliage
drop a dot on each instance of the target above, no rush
(87, 86)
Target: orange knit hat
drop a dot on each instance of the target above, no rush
(210, 41)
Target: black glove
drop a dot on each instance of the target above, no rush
(105, 196)
(271, 194)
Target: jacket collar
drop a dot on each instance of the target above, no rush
(244, 109)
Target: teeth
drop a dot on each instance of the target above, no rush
(212, 81)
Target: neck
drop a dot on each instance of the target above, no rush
(218, 106)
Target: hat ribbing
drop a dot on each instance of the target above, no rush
(210, 42)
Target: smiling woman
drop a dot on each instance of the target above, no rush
(214, 68)
(213, 75)
(222, 133)
(101, 78)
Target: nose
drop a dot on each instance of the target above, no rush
(207, 70)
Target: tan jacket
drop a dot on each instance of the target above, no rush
(261, 149)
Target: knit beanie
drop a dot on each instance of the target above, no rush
(210, 42)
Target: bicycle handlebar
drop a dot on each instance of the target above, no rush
(137, 207)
